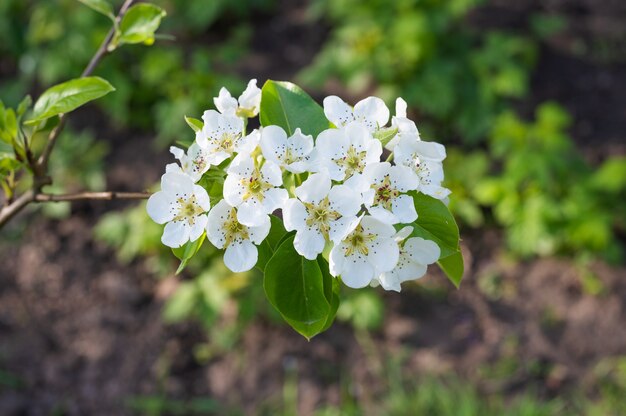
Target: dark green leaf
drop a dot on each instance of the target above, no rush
(331, 291)
(286, 105)
(195, 124)
(101, 6)
(271, 242)
(139, 24)
(187, 251)
(436, 223)
(452, 266)
(295, 287)
(68, 96)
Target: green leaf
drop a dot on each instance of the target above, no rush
(101, 6)
(452, 266)
(8, 163)
(68, 96)
(267, 248)
(435, 222)
(331, 292)
(386, 134)
(295, 287)
(24, 105)
(139, 24)
(187, 251)
(286, 105)
(8, 126)
(195, 124)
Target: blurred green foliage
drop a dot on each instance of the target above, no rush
(425, 52)
(540, 188)
(49, 41)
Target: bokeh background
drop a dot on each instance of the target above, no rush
(528, 97)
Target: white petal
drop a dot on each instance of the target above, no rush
(436, 191)
(251, 213)
(337, 111)
(340, 228)
(258, 233)
(377, 227)
(301, 143)
(199, 227)
(422, 251)
(336, 259)
(381, 214)
(233, 190)
(372, 111)
(274, 199)
(215, 225)
(403, 233)
(175, 234)
(176, 183)
(160, 206)
(225, 102)
(177, 152)
(389, 281)
(294, 215)
(404, 209)
(242, 165)
(384, 253)
(273, 143)
(250, 99)
(309, 243)
(403, 178)
(357, 272)
(241, 256)
(314, 189)
(430, 150)
(173, 167)
(202, 198)
(272, 174)
(248, 143)
(400, 107)
(345, 200)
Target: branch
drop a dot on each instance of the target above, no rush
(40, 167)
(82, 196)
(42, 163)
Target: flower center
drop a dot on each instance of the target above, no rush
(227, 141)
(385, 193)
(289, 157)
(358, 241)
(352, 162)
(320, 216)
(188, 210)
(255, 186)
(233, 230)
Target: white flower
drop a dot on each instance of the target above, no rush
(193, 163)
(225, 231)
(222, 136)
(425, 159)
(291, 153)
(386, 199)
(255, 192)
(370, 111)
(341, 153)
(247, 105)
(406, 127)
(415, 256)
(182, 205)
(320, 214)
(365, 253)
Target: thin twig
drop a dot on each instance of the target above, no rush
(81, 196)
(40, 167)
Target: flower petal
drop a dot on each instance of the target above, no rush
(273, 143)
(404, 209)
(175, 234)
(250, 98)
(250, 213)
(373, 112)
(198, 228)
(309, 243)
(294, 215)
(258, 233)
(241, 256)
(337, 111)
(215, 224)
(421, 250)
(225, 102)
(160, 206)
(314, 189)
(357, 273)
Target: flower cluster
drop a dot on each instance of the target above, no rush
(332, 190)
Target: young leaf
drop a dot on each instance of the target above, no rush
(452, 266)
(187, 251)
(195, 124)
(101, 6)
(288, 106)
(436, 223)
(295, 286)
(139, 24)
(24, 105)
(68, 96)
